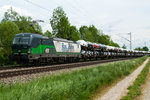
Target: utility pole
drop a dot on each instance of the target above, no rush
(128, 39)
(145, 44)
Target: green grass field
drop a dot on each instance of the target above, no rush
(77, 85)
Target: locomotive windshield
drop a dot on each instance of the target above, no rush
(21, 40)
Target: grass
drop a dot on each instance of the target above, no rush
(77, 85)
(12, 65)
(135, 89)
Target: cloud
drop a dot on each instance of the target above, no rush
(46, 26)
(21, 11)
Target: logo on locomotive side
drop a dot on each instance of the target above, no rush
(71, 48)
(64, 47)
(67, 48)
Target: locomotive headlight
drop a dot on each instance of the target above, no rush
(29, 51)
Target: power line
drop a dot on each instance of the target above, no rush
(43, 8)
(37, 5)
(129, 40)
(14, 2)
(87, 13)
(71, 10)
(83, 12)
(80, 10)
(45, 22)
(75, 8)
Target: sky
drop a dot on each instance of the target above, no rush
(116, 18)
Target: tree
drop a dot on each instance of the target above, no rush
(60, 23)
(21, 21)
(85, 33)
(104, 39)
(145, 48)
(94, 31)
(10, 15)
(113, 44)
(8, 29)
(74, 33)
(142, 49)
(7, 32)
(48, 33)
(124, 46)
(139, 49)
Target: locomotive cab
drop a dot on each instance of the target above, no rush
(21, 46)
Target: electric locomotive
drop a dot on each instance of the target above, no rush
(35, 49)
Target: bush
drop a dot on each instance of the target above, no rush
(7, 32)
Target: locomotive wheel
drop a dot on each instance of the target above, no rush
(77, 59)
(85, 59)
(37, 63)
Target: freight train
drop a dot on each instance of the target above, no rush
(36, 49)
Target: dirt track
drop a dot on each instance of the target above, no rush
(120, 89)
(146, 91)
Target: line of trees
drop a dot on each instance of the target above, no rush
(145, 48)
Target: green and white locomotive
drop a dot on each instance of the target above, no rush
(35, 49)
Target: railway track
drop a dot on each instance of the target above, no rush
(33, 70)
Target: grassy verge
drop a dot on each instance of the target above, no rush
(13, 65)
(77, 85)
(135, 89)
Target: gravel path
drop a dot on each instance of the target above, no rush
(120, 89)
(146, 91)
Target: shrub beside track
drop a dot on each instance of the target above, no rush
(77, 85)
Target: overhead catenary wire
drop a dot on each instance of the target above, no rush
(75, 8)
(37, 5)
(87, 13)
(122, 41)
(41, 6)
(71, 10)
(81, 11)
(46, 14)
